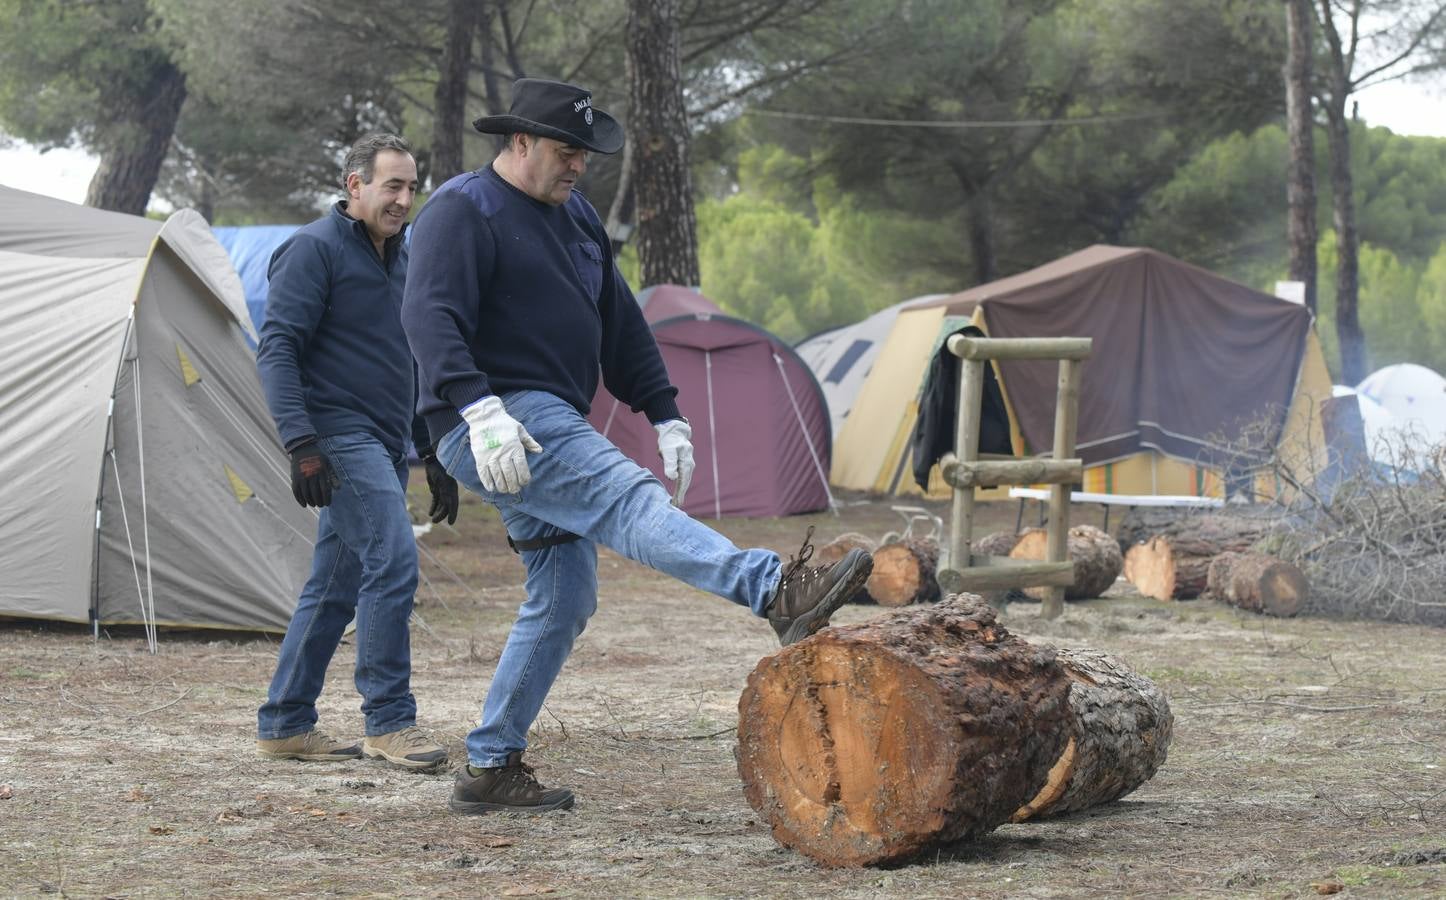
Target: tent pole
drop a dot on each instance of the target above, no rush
(713, 436)
(803, 427)
(150, 604)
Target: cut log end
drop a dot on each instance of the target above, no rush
(905, 573)
(872, 743)
(1259, 583)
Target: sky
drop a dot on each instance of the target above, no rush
(1415, 109)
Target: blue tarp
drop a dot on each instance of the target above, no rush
(250, 247)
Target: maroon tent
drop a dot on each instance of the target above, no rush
(761, 436)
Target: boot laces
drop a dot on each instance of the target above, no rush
(797, 563)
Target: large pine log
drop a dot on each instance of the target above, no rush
(1121, 734)
(1096, 557)
(872, 743)
(1239, 526)
(904, 573)
(1257, 582)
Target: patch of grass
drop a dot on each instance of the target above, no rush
(33, 675)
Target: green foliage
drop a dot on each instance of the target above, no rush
(1402, 305)
(791, 252)
(61, 62)
(1225, 208)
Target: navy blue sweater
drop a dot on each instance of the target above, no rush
(508, 293)
(332, 357)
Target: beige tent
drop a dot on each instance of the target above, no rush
(1182, 359)
(141, 480)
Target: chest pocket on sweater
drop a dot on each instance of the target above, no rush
(587, 259)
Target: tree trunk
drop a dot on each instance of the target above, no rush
(1257, 582)
(1348, 248)
(667, 235)
(450, 97)
(873, 743)
(1096, 556)
(142, 120)
(622, 210)
(1300, 190)
(980, 211)
(904, 573)
(1337, 87)
(1121, 734)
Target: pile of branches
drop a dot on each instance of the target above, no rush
(1369, 536)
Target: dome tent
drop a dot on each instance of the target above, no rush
(163, 497)
(761, 436)
(1415, 399)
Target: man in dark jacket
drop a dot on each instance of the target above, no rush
(340, 383)
(513, 306)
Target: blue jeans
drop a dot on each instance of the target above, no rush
(583, 484)
(364, 564)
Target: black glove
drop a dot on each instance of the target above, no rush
(312, 477)
(444, 491)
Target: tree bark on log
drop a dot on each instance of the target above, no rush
(905, 573)
(1243, 526)
(1096, 556)
(1257, 582)
(872, 743)
(997, 544)
(1121, 732)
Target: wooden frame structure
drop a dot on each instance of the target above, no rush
(965, 470)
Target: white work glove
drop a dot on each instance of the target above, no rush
(498, 442)
(676, 449)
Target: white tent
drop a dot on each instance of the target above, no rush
(842, 358)
(141, 480)
(1414, 397)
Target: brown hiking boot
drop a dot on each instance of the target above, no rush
(407, 747)
(313, 746)
(807, 596)
(509, 788)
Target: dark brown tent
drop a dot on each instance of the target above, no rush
(1182, 360)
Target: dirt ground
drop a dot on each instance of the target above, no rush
(1304, 751)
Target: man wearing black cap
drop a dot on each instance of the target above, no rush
(513, 307)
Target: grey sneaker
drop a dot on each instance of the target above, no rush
(313, 746)
(509, 788)
(807, 596)
(407, 747)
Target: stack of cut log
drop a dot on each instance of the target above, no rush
(1175, 557)
(870, 744)
(905, 568)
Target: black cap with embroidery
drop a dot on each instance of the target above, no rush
(554, 109)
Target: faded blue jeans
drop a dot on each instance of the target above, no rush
(364, 563)
(583, 484)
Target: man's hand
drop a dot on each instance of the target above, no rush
(312, 477)
(500, 445)
(444, 490)
(676, 447)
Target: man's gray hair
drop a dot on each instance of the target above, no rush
(362, 156)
